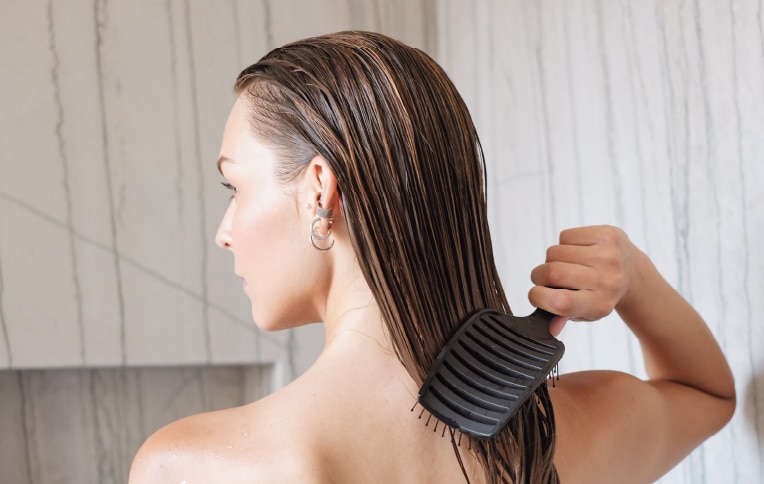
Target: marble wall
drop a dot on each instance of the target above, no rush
(648, 115)
(644, 114)
(110, 121)
(111, 117)
(85, 425)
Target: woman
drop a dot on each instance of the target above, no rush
(358, 200)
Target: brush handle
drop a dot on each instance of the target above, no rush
(539, 322)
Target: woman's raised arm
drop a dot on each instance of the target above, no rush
(648, 426)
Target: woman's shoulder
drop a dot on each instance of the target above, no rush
(252, 443)
(343, 421)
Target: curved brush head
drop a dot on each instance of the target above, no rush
(488, 369)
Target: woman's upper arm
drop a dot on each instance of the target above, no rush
(614, 427)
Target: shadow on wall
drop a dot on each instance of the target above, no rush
(752, 404)
(85, 425)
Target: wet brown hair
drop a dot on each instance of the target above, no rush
(410, 169)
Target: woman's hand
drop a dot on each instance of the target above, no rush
(586, 276)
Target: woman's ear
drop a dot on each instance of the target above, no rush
(321, 185)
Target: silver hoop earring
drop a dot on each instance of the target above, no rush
(315, 237)
(322, 212)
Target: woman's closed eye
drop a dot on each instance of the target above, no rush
(230, 187)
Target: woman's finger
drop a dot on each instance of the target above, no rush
(557, 325)
(583, 305)
(565, 275)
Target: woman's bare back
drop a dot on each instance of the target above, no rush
(348, 419)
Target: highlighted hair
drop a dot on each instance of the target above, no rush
(409, 166)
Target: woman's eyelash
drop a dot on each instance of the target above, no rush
(229, 186)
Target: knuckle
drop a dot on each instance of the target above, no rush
(563, 303)
(536, 275)
(534, 295)
(609, 235)
(553, 253)
(555, 274)
(613, 281)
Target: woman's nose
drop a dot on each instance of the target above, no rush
(223, 236)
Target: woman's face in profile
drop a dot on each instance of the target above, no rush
(266, 227)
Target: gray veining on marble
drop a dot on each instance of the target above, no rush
(77, 426)
(110, 122)
(108, 190)
(643, 114)
(647, 115)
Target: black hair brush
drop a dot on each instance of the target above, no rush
(488, 369)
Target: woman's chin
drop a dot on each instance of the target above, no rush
(269, 323)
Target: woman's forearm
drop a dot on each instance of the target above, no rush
(676, 343)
